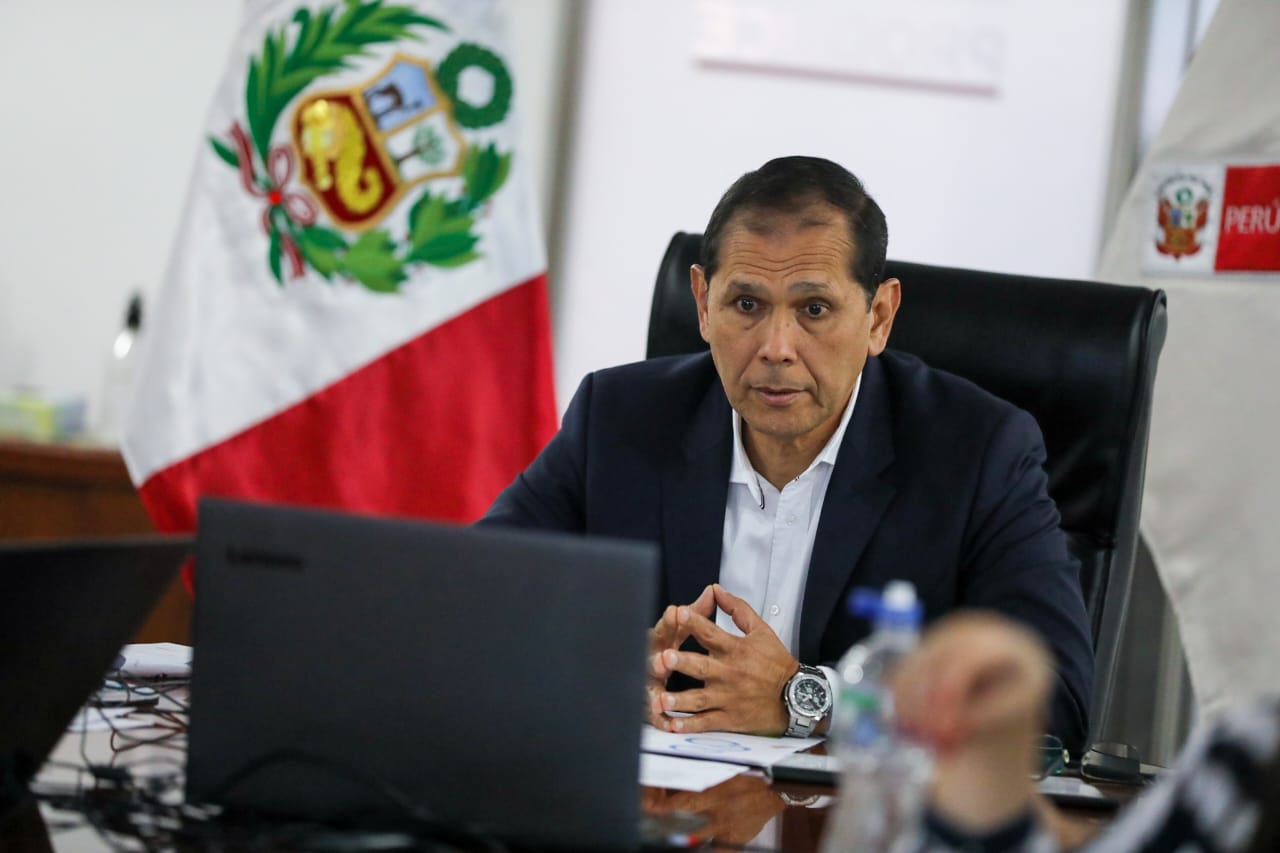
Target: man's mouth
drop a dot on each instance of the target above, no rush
(777, 395)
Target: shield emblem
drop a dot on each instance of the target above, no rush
(361, 148)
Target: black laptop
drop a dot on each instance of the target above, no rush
(362, 669)
(66, 608)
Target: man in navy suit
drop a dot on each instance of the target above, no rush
(798, 460)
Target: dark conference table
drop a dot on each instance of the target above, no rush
(737, 810)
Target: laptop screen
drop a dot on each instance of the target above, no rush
(67, 606)
(348, 666)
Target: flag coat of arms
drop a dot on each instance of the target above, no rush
(355, 311)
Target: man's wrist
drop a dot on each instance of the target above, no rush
(979, 790)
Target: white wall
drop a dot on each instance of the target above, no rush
(98, 144)
(1013, 182)
(104, 102)
(104, 109)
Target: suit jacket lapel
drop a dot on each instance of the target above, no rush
(857, 495)
(695, 487)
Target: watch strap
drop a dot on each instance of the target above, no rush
(800, 725)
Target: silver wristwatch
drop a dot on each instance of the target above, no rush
(808, 700)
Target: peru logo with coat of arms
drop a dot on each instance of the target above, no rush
(357, 152)
(1182, 213)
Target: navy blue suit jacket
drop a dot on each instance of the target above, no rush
(936, 482)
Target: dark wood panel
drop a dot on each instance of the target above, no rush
(50, 491)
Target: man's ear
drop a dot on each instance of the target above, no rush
(700, 286)
(884, 306)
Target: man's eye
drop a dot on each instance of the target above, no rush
(815, 309)
(745, 304)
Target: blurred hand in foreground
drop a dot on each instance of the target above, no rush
(976, 690)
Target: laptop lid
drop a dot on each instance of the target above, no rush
(66, 608)
(348, 665)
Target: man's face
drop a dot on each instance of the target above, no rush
(789, 328)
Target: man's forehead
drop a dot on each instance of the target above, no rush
(777, 223)
(741, 248)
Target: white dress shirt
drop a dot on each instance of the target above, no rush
(768, 534)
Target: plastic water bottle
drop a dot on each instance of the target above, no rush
(882, 776)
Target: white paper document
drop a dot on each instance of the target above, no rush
(154, 660)
(1068, 786)
(683, 774)
(93, 719)
(728, 747)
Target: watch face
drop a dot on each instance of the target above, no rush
(810, 696)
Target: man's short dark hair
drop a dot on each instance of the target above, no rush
(791, 184)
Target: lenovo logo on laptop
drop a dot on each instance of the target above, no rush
(258, 558)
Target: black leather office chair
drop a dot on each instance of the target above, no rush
(1079, 356)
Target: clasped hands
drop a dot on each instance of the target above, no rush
(743, 677)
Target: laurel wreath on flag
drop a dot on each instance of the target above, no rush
(441, 229)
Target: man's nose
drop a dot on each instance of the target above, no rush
(779, 343)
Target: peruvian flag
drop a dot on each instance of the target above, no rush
(355, 311)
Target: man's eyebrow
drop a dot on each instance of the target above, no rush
(739, 287)
(808, 287)
(748, 288)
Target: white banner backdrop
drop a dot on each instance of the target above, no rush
(1213, 474)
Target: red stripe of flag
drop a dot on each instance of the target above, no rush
(434, 429)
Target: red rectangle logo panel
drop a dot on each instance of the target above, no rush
(1249, 239)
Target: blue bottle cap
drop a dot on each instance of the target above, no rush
(897, 606)
(864, 602)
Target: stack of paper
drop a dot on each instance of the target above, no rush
(695, 762)
(154, 660)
